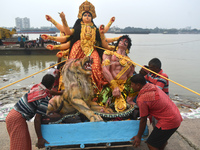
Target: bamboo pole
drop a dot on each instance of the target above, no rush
(30, 75)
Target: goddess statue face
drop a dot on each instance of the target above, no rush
(87, 18)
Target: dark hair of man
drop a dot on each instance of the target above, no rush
(125, 37)
(138, 78)
(155, 62)
(77, 31)
(48, 80)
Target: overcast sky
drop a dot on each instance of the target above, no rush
(133, 13)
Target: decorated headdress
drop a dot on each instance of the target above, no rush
(86, 6)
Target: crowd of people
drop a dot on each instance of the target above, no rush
(26, 43)
(113, 76)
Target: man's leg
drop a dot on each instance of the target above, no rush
(18, 131)
(151, 147)
(163, 147)
(158, 138)
(154, 148)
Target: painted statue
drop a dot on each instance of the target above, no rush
(78, 92)
(80, 41)
(117, 72)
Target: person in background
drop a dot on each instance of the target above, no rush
(33, 103)
(19, 38)
(21, 42)
(24, 40)
(163, 84)
(40, 40)
(143, 71)
(37, 42)
(153, 101)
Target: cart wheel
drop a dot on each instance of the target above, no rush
(48, 148)
(108, 144)
(82, 146)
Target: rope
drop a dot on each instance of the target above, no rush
(121, 56)
(31, 75)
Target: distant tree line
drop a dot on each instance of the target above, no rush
(139, 30)
(155, 30)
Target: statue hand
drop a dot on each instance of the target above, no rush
(130, 100)
(62, 15)
(112, 19)
(50, 47)
(48, 17)
(116, 92)
(45, 36)
(59, 54)
(101, 28)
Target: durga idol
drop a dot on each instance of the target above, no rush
(82, 39)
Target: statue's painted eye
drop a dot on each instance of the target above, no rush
(87, 14)
(125, 41)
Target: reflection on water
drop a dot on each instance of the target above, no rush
(7, 64)
(25, 62)
(14, 68)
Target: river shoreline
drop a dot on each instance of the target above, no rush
(26, 51)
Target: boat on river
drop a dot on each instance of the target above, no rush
(37, 31)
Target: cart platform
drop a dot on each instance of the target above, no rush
(90, 133)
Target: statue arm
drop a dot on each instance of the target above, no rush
(61, 54)
(107, 27)
(131, 71)
(56, 24)
(66, 28)
(103, 39)
(130, 100)
(106, 67)
(110, 40)
(54, 38)
(61, 47)
(131, 93)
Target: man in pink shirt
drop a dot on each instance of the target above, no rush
(153, 101)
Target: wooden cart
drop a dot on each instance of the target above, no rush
(91, 134)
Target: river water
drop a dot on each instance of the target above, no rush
(179, 54)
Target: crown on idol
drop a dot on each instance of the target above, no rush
(86, 6)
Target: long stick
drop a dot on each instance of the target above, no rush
(30, 75)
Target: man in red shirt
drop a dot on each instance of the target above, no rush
(153, 101)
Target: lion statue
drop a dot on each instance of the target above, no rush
(78, 92)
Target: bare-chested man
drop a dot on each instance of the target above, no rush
(117, 71)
